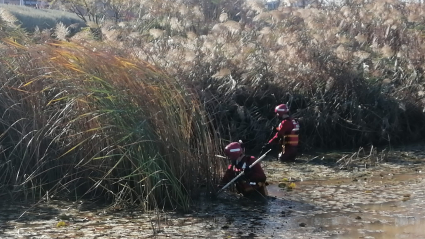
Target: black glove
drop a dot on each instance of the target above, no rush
(274, 130)
(247, 170)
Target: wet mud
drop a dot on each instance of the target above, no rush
(382, 201)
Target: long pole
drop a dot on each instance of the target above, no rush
(242, 173)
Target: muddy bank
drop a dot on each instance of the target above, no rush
(385, 201)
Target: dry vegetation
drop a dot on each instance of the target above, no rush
(76, 121)
(352, 73)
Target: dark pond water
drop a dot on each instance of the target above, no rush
(383, 202)
(373, 208)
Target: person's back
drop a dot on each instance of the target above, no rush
(289, 129)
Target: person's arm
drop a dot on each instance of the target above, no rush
(284, 126)
(228, 176)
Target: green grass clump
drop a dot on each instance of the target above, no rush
(81, 121)
(31, 18)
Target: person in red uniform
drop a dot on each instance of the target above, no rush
(253, 182)
(286, 135)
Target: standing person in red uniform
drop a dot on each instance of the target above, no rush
(253, 182)
(286, 135)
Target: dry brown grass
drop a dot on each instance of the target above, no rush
(353, 74)
(83, 120)
(332, 60)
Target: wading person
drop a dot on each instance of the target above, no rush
(253, 182)
(286, 135)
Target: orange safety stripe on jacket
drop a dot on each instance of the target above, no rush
(291, 139)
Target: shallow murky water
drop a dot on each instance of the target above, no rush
(376, 207)
(385, 202)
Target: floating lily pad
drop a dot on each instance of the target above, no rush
(61, 224)
(292, 186)
(282, 185)
(64, 217)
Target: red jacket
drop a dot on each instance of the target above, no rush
(256, 173)
(288, 129)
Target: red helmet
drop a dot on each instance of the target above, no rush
(281, 110)
(233, 150)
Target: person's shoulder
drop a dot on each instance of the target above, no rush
(250, 159)
(290, 119)
(295, 120)
(286, 121)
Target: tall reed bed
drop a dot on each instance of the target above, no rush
(354, 69)
(347, 70)
(79, 121)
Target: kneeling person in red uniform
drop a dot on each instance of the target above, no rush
(253, 182)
